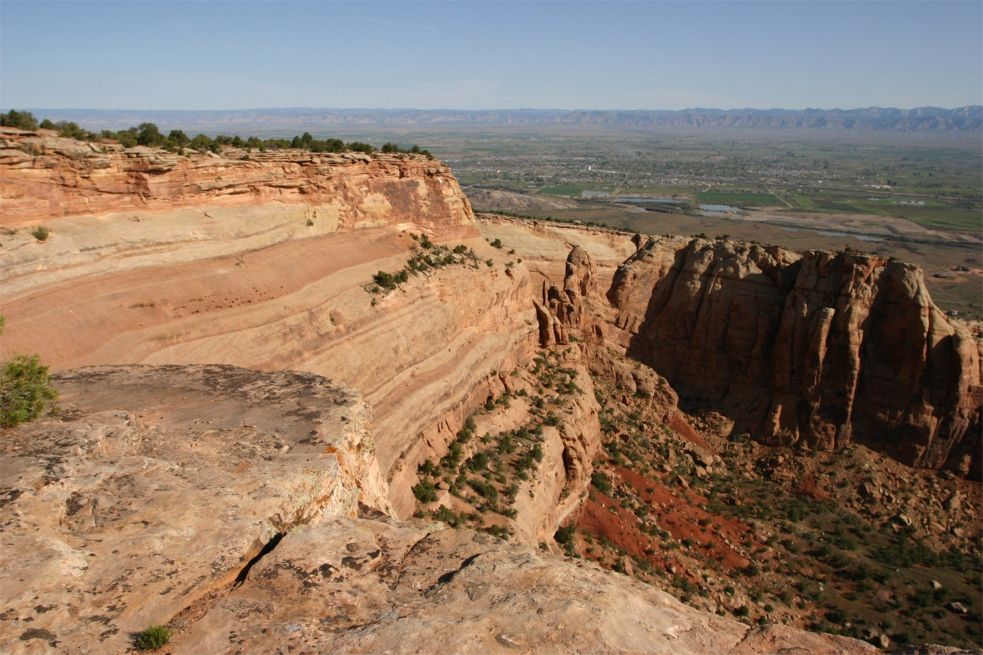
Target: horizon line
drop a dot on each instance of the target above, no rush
(538, 109)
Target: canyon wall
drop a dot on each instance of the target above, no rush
(47, 177)
(266, 262)
(245, 511)
(263, 263)
(818, 348)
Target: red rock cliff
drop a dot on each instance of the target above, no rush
(816, 347)
(45, 177)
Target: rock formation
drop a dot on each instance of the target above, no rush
(155, 490)
(46, 177)
(816, 347)
(566, 309)
(257, 511)
(223, 502)
(165, 284)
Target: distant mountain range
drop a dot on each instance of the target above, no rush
(291, 120)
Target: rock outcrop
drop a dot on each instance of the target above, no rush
(566, 310)
(223, 502)
(46, 177)
(819, 348)
(372, 587)
(151, 495)
(266, 279)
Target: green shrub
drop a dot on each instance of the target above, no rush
(446, 515)
(486, 490)
(23, 120)
(565, 535)
(499, 531)
(427, 468)
(506, 444)
(40, 233)
(425, 491)
(497, 243)
(25, 390)
(601, 482)
(478, 461)
(390, 281)
(152, 638)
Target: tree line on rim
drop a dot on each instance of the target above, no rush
(148, 134)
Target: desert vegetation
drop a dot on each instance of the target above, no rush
(152, 637)
(477, 482)
(25, 388)
(426, 258)
(148, 134)
(751, 533)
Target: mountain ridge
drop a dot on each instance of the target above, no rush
(967, 119)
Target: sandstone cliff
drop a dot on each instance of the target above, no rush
(267, 265)
(47, 177)
(815, 347)
(266, 270)
(223, 502)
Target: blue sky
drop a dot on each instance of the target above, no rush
(487, 55)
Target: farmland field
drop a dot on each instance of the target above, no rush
(738, 198)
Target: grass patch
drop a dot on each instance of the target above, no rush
(152, 638)
(562, 190)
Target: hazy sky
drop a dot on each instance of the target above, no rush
(474, 55)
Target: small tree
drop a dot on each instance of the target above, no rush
(200, 143)
(25, 390)
(425, 491)
(23, 120)
(179, 138)
(149, 135)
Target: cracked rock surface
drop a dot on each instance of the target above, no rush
(375, 586)
(225, 503)
(145, 499)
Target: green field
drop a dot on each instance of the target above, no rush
(563, 190)
(934, 181)
(943, 218)
(739, 198)
(934, 213)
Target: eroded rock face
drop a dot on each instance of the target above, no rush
(568, 309)
(223, 502)
(146, 500)
(46, 177)
(821, 348)
(266, 270)
(368, 586)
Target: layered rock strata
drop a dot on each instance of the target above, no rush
(818, 348)
(47, 177)
(222, 502)
(268, 272)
